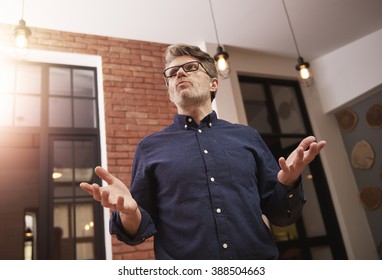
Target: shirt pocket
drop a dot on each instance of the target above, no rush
(242, 168)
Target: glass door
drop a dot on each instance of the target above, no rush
(49, 143)
(276, 109)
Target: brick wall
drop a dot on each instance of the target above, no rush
(136, 99)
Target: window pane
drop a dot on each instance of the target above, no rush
(28, 79)
(63, 232)
(60, 112)
(84, 220)
(83, 83)
(62, 163)
(7, 78)
(59, 81)
(288, 110)
(61, 220)
(85, 251)
(85, 231)
(6, 109)
(255, 106)
(62, 190)
(28, 111)
(84, 113)
(84, 164)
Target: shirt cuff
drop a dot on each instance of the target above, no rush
(146, 229)
(294, 196)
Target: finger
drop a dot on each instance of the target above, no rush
(320, 145)
(120, 203)
(283, 164)
(88, 187)
(104, 199)
(314, 150)
(104, 175)
(96, 192)
(299, 155)
(305, 143)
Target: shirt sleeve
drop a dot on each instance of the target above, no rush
(142, 186)
(280, 204)
(146, 229)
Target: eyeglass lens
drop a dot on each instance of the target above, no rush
(187, 67)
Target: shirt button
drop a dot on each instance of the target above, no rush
(225, 245)
(212, 179)
(199, 130)
(185, 126)
(205, 151)
(210, 124)
(218, 210)
(189, 120)
(290, 195)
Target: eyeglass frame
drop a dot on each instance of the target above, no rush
(182, 66)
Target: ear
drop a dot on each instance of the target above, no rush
(214, 85)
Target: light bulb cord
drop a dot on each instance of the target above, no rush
(291, 29)
(213, 19)
(22, 11)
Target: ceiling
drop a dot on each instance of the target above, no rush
(320, 26)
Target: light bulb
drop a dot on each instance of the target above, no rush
(222, 64)
(21, 40)
(304, 72)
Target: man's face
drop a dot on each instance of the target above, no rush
(190, 88)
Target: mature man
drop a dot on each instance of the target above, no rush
(202, 184)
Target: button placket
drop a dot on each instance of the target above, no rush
(207, 152)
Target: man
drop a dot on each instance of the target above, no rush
(202, 184)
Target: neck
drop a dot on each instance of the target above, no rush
(197, 113)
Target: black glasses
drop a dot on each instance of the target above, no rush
(191, 66)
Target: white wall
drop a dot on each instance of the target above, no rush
(349, 72)
(332, 88)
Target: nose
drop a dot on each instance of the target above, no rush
(181, 72)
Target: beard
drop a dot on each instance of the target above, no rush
(190, 95)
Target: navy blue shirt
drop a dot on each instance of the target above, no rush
(202, 190)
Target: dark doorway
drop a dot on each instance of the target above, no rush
(276, 109)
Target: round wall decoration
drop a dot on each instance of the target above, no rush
(362, 155)
(347, 119)
(285, 110)
(374, 116)
(371, 197)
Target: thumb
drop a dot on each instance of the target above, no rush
(105, 175)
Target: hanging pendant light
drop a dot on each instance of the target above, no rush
(221, 56)
(303, 68)
(21, 33)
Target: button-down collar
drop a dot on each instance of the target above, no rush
(187, 122)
